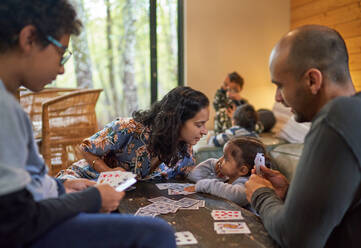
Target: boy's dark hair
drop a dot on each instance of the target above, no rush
(165, 119)
(245, 116)
(50, 17)
(236, 78)
(266, 119)
(248, 147)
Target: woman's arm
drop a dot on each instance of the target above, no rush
(114, 136)
(97, 163)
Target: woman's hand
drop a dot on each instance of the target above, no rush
(190, 189)
(96, 162)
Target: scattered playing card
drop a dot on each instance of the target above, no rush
(231, 227)
(186, 202)
(185, 238)
(145, 212)
(162, 186)
(162, 199)
(175, 188)
(226, 215)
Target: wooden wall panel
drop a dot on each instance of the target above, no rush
(317, 7)
(356, 77)
(342, 15)
(353, 44)
(298, 3)
(332, 17)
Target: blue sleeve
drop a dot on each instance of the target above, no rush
(182, 168)
(113, 137)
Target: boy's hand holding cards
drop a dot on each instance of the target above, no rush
(119, 180)
(258, 162)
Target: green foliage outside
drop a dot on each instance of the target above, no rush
(95, 25)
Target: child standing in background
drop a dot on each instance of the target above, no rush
(225, 177)
(244, 122)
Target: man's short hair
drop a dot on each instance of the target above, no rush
(320, 47)
(236, 78)
(245, 116)
(50, 17)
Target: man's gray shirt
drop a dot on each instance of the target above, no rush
(323, 203)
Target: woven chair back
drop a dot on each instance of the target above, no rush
(32, 104)
(67, 120)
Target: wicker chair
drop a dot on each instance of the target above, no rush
(32, 104)
(67, 120)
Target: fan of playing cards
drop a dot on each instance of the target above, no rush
(120, 180)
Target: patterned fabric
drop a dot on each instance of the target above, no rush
(123, 143)
(222, 121)
(235, 131)
(221, 102)
(220, 99)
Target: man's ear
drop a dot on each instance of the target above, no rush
(315, 79)
(244, 170)
(27, 38)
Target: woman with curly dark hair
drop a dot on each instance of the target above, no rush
(154, 142)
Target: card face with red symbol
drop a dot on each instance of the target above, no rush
(185, 238)
(231, 227)
(120, 180)
(226, 215)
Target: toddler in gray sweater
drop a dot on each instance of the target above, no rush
(225, 177)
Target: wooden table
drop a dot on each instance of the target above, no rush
(200, 222)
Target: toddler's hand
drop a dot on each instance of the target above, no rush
(190, 189)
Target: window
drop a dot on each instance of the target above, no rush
(129, 48)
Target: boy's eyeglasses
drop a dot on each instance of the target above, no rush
(66, 53)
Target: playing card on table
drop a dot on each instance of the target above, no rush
(226, 215)
(179, 192)
(179, 186)
(152, 208)
(186, 202)
(162, 199)
(162, 186)
(231, 227)
(165, 208)
(145, 212)
(185, 238)
(200, 204)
